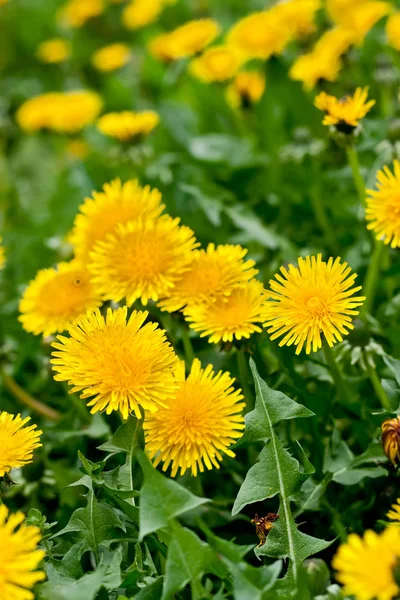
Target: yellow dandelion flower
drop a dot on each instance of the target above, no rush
(74, 110)
(199, 424)
(358, 17)
(117, 203)
(315, 297)
(111, 57)
(124, 364)
(2, 2)
(218, 63)
(2, 254)
(141, 259)
(56, 298)
(77, 12)
(213, 273)
(246, 89)
(17, 442)
(324, 61)
(365, 564)
(33, 114)
(186, 40)
(344, 113)
(237, 316)
(383, 206)
(19, 556)
(298, 15)
(128, 125)
(54, 51)
(140, 13)
(391, 439)
(393, 30)
(394, 513)
(259, 35)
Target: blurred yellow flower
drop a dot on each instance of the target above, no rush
(76, 12)
(394, 513)
(358, 16)
(314, 298)
(297, 15)
(198, 424)
(111, 57)
(140, 13)
(141, 259)
(218, 63)
(365, 564)
(213, 273)
(345, 113)
(54, 51)
(324, 61)
(17, 442)
(128, 125)
(116, 203)
(56, 297)
(186, 40)
(19, 556)
(391, 439)
(259, 35)
(228, 318)
(393, 30)
(383, 206)
(246, 89)
(124, 364)
(2, 254)
(63, 112)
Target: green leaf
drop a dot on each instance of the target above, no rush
(161, 499)
(251, 583)
(152, 591)
(61, 587)
(95, 523)
(226, 149)
(277, 473)
(123, 439)
(188, 558)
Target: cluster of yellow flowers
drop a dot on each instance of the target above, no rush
(19, 555)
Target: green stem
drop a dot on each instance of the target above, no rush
(22, 396)
(336, 373)
(244, 377)
(135, 442)
(371, 278)
(322, 220)
(187, 346)
(376, 383)
(355, 169)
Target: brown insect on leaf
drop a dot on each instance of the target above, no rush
(264, 526)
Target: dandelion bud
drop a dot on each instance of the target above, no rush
(391, 439)
(318, 575)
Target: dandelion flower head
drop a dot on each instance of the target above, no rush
(383, 206)
(297, 15)
(228, 318)
(259, 35)
(141, 259)
(19, 556)
(116, 203)
(246, 89)
(345, 112)
(54, 51)
(77, 12)
(218, 63)
(139, 13)
(17, 441)
(128, 125)
(213, 273)
(393, 30)
(394, 513)
(199, 424)
(33, 114)
(365, 564)
(186, 40)
(391, 439)
(111, 57)
(358, 16)
(56, 297)
(122, 363)
(314, 298)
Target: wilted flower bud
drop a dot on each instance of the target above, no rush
(391, 439)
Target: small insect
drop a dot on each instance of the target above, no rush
(264, 526)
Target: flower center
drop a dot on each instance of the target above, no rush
(66, 293)
(316, 307)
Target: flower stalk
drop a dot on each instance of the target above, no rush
(22, 396)
(336, 373)
(358, 179)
